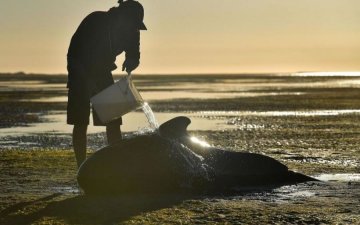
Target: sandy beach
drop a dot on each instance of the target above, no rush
(309, 123)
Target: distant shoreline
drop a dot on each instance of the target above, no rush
(148, 74)
(290, 74)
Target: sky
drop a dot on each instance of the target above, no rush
(194, 36)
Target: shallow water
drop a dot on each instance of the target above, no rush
(312, 113)
(345, 177)
(29, 86)
(319, 138)
(55, 122)
(161, 95)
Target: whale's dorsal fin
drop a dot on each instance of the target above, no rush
(175, 128)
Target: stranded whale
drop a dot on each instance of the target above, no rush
(171, 161)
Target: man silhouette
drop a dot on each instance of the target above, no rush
(91, 57)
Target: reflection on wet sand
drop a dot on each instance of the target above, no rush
(310, 123)
(282, 113)
(342, 177)
(160, 95)
(55, 122)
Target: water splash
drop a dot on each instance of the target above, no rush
(150, 116)
(185, 160)
(190, 165)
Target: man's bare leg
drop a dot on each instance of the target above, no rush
(113, 132)
(79, 143)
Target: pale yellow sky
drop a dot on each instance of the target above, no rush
(194, 36)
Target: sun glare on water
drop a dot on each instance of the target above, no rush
(200, 142)
(328, 74)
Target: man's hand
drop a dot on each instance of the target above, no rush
(129, 65)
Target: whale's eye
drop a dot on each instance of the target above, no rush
(199, 142)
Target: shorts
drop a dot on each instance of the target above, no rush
(78, 109)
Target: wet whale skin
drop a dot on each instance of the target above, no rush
(169, 161)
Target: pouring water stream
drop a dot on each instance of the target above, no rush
(148, 111)
(150, 116)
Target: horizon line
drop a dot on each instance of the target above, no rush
(297, 73)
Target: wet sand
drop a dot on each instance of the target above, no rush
(311, 124)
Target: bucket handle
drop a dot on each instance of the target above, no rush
(128, 76)
(128, 80)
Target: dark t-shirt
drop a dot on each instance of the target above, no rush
(93, 50)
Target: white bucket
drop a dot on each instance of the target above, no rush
(117, 100)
